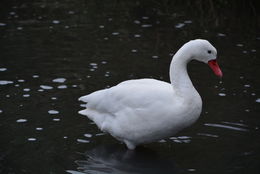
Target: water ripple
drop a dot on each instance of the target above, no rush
(208, 135)
(226, 127)
(82, 140)
(181, 139)
(236, 124)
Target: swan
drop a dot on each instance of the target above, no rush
(142, 111)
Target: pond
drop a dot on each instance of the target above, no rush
(53, 52)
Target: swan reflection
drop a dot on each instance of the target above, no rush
(119, 160)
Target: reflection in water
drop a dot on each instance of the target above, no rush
(118, 160)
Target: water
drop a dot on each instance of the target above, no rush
(53, 52)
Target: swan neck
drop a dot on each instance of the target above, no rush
(178, 71)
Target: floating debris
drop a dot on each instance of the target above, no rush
(222, 94)
(146, 25)
(88, 135)
(2, 24)
(179, 25)
(32, 139)
(26, 89)
(191, 170)
(39, 128)
(62, 86)
(3, 69)
(26, 95)
(71, 12)
(53, 112)
(137, 22)
(19, 28)
(221, 35)
(5, 82)
(59, 80)
(21, 120)
(115, 33)
(46, 87)
(137, 35)
(35, 76)
(55, 21)
(21, 80)
(188, 22)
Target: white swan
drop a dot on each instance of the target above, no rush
(146, 110)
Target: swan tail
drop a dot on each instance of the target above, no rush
(98, 118)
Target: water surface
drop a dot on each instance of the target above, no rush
(53, 52)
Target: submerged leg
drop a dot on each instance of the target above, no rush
(129, 145)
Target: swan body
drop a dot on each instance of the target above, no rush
(146, 110)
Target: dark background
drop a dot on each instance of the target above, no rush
(97, 44)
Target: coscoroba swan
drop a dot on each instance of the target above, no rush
(146, 110)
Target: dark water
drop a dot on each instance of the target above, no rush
(52, 52)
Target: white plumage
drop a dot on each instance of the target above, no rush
(146, 110)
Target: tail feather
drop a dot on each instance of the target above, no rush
(93, 110)
(99, 118)
(83, 112)
(84, 98)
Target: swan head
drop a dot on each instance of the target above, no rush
(201, 50)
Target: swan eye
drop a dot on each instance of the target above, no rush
(209, 51)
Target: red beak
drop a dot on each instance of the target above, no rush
(214, 66)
